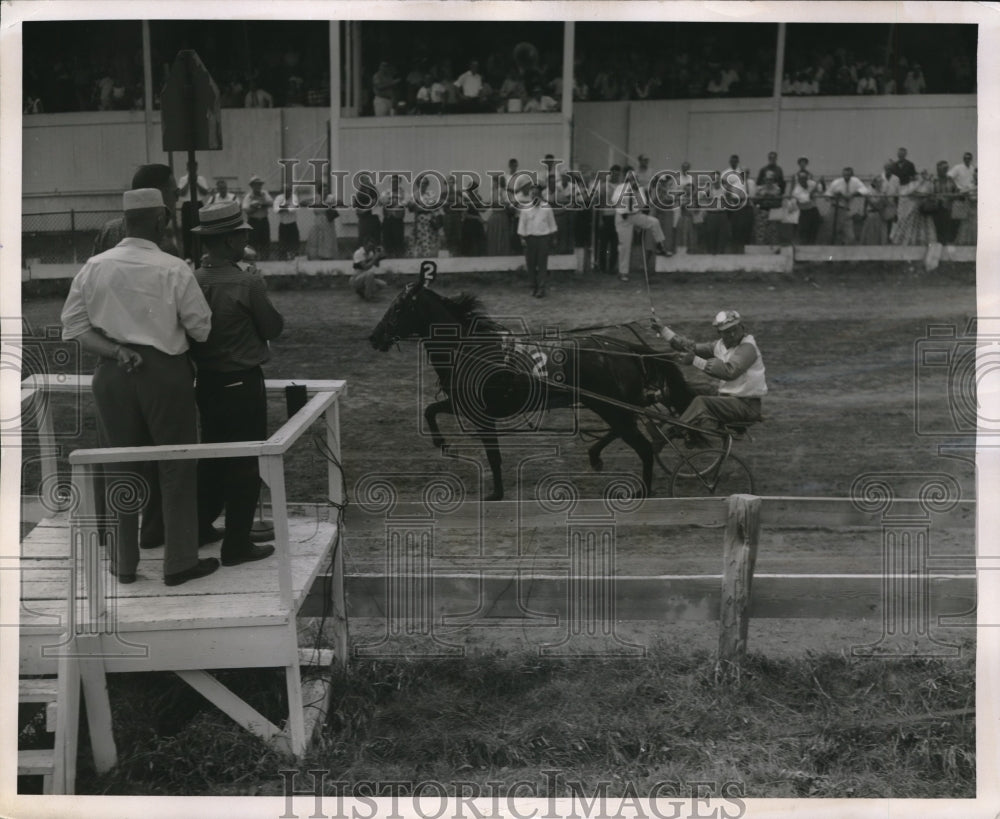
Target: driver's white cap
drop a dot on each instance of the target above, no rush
(725, 319)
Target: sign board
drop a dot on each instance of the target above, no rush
(189, 107)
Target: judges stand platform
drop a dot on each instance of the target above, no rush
(77, 623)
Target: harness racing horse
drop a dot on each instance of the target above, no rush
(490, 376)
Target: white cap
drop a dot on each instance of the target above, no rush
(142, 198)
(725, 319)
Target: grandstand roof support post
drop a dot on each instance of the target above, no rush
(779, 74)
(333, 133)
(569, 32)
(355, 67)
(147, 82)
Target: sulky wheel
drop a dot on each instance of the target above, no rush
(711, 472)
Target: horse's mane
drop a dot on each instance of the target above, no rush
(466, 306)
(469, 312)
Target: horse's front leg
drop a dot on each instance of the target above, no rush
(644, 449)
(492, 446)
(597, 448)
(430, 416)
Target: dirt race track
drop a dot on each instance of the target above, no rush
(838, 341)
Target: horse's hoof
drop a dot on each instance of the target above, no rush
(496, 496)
(596, 463)
(437, 442)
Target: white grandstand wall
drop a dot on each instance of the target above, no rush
(84, 160)
(832, 131)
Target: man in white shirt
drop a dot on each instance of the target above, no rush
(539, 102)
(848, 194)
(257, 97)
(221, 194)
(961, 207)
(384, 84)
(629, 200)
(536, 227)
(470, 86)
(286, 205)
(135, 306)
(964, 174)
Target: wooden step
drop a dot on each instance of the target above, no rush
(37, 689)
(39, 762)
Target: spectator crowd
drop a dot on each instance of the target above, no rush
(416, 68)
(776, 206)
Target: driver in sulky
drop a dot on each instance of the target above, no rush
(735, 361)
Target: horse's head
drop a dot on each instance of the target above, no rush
(408, 315)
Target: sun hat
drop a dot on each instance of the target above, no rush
(142, 198)
(219, 218)
(255, 178)
(725, 319)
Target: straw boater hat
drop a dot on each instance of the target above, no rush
(222, 217)
(255, 178)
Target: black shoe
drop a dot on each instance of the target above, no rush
(210, 535)
(124, 579)
(249, 553)
(205, 566)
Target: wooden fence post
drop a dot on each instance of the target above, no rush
(739, 558)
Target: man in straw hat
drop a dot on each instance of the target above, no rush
(735, 360)
(232, 403)
(135, 307)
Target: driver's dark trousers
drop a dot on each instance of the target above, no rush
(708, 411)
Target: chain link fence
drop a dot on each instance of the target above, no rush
(62, 237)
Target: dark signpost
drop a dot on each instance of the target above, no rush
(192, 121)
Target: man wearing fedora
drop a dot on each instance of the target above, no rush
(232, 403)
(257, 204)
(135, 307)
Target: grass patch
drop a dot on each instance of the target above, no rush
(822, 725)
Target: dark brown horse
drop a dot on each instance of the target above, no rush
(491, 378)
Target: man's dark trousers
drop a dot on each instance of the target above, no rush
(536, 259)
(232, 407)
(152, 405)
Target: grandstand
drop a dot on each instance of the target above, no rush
(98, 109)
